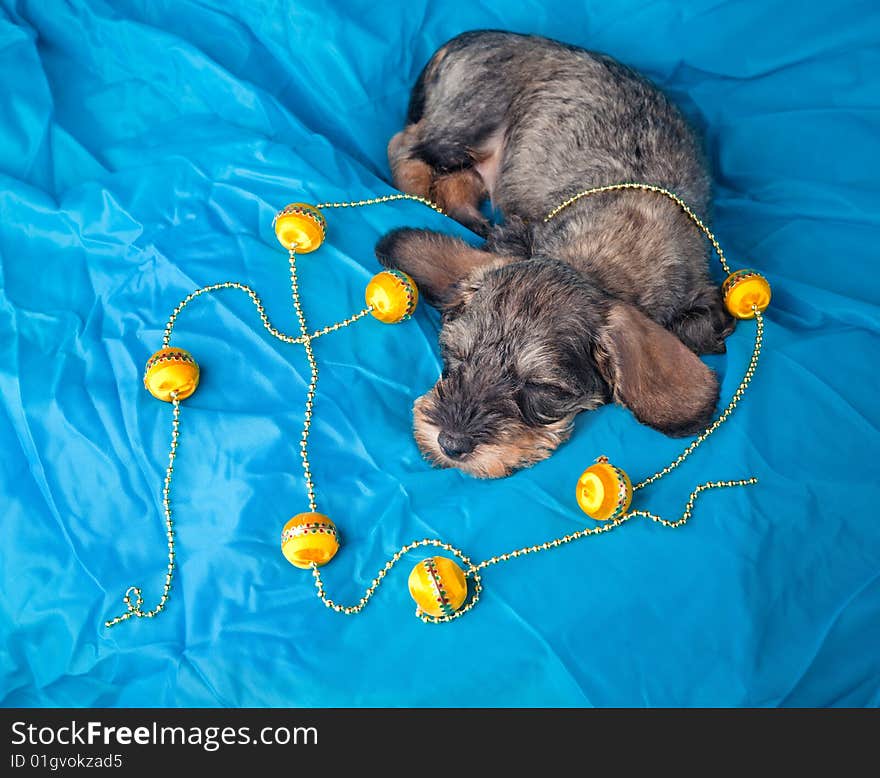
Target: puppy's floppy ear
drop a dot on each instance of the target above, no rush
(438, 263)
(654, 374)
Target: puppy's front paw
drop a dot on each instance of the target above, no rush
(473, 220)
(704, 327)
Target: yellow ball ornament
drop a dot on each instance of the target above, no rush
(171, 371)
(392, 296)
(309, 537)
(300, 226)
(604, 491)
(438, 586)
(744, 289)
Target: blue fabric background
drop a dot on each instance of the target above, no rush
(144, 147)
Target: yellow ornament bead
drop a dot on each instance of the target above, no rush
(309, 537)
(392, 296)
(300, 226)
(169, 371)
(438, 586)
(744, 289)
(604, 491)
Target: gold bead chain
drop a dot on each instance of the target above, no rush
(472, 571)
(169, 327)
(645, 188)
(305, 339)
(383, 199)
(349, 610)
(313, 382)
(610, 525)
(136, 609)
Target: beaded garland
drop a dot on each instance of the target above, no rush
(309, 538)
(604, 491)
(300, 226)
(391, 296)
(303, 209)
(167, 355)
(742, 290)
(410, 291)
(171, 370)
(311, 528)
(438, 584)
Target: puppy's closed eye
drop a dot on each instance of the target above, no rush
(543, 403)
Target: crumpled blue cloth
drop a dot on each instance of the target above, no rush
(144, 148)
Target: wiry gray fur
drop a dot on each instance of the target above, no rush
(548, 319)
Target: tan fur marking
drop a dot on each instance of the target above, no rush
(518, 445)
(434, 64)
(459, 193)
(412, 176)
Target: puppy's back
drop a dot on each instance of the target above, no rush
(558, 117)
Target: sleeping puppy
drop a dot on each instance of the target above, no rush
(610, 300)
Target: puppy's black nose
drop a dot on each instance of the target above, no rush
(455, 446)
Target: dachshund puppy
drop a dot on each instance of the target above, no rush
(611, 300)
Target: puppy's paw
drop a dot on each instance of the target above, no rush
(473, 219)
(459, 194)
(514, 237)
(704, 327)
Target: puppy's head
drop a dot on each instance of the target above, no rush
(528, 343)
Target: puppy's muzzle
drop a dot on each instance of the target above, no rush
(455, 446)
